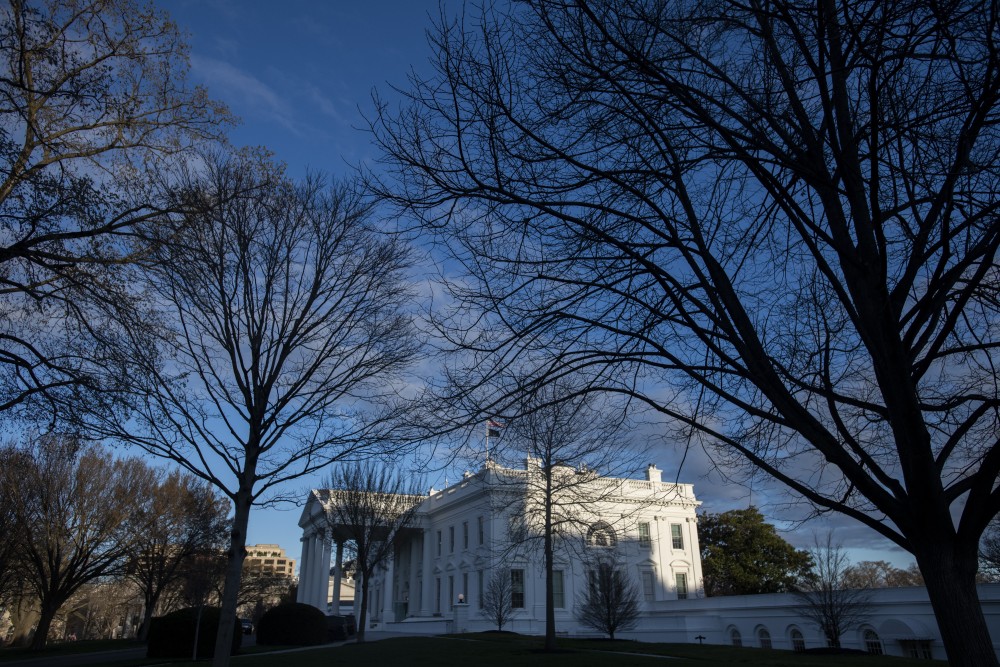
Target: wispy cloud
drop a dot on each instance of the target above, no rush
(245, 92)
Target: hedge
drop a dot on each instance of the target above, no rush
(172, 636)
(293, 624)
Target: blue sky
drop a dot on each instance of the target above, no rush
(298, 71)
(300, 74)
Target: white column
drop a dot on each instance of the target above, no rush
(338, 574)
(413, 604)
(316, 568)
(426, 592)
(387, 592)
(302, 594)
(307, 558)
(323, 589)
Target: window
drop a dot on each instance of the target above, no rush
(437, 593)
(451, 539)
(916, 648)
(482, 531)
(517, 589)
(601, 535)
(479, 597)
(465, 587)
(439, 543)
(798, 641)
(764, 638)
(682, 586)
(558, 592)
(873, 644)
(451, 591)
(644, 540)
(676, 536)
(735, 638)
(648, 587)
(465, 534)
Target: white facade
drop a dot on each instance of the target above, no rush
(463, 534)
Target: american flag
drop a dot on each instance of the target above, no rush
(493, 428)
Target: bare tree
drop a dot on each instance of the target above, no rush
(881, 574)
(185, 517)
(610, 601)
(10, 524)
(95, 106)
(775, 223)
(827, 600)
(369, 504)
(77, 506)
(989, 552)
(570, 439)
(497, 600)
(260, 590)
(283, 309)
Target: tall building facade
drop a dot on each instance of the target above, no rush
(268, 558)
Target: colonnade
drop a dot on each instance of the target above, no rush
(314, 571)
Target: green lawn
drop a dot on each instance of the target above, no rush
(491, 650)
(503, 651)
(69, 648)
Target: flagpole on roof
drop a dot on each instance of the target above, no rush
(492, 430)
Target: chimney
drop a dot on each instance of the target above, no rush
(653, 473)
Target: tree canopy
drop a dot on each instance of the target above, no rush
(741, 554)
(95, 110)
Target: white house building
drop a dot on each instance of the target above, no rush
(490, 522)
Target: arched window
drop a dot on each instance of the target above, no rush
(873, 644)
(601, 535)
(735, 638)
(798, 641)
(763, 638)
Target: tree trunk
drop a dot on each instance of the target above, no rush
(550, 611)
(49, 609)
(25, 618)
(197, 633)
(363, 615)
(234, 573)
(147, 616)
(951, 585)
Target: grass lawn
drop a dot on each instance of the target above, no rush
(493, 650)
(485, 650)
(69, 648)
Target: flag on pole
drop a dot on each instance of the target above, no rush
(493, 428)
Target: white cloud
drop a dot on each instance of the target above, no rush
(244, 92)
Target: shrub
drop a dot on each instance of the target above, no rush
(172, 636)
(294, 624)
